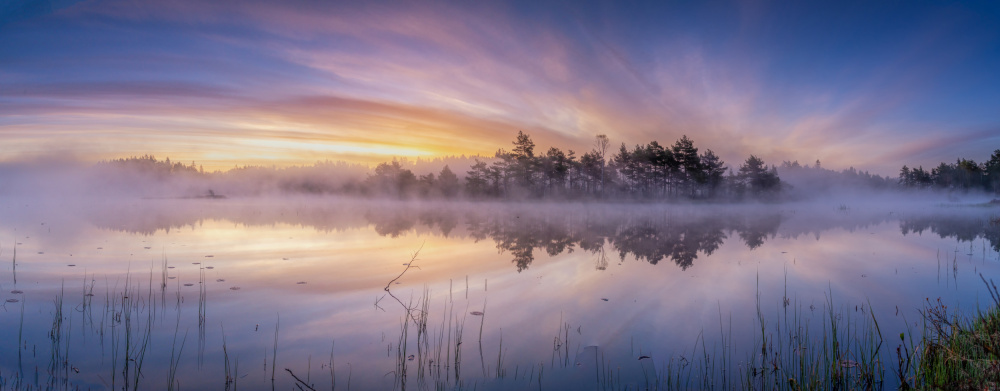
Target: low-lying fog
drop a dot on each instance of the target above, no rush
(289, 272)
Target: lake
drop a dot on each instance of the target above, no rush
(346, 294)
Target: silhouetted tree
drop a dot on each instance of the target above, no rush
(757, 177)
(713, 169)
(427, 186)
(477, 179)
(524, 164)
(448, 182)
(590, 166)
(601, 143)
(392, 179)
(555, 168)
(992, 171)
(689, 163)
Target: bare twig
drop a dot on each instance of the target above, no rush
(299, 380)
(408, 266)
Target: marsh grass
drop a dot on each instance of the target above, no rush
(175, 354)
(960, 353)
(791, 347)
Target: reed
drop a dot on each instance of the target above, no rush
(960, 353)
(791, 348)
(175, 354)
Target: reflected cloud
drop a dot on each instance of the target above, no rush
(651, 234)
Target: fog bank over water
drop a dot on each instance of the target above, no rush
(623, 279)
(455, 179)
(653, 233)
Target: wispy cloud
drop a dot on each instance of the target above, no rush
(296, 81)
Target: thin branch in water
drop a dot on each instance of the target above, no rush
(302, 383)
(408, 266)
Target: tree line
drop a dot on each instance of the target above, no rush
(964, 174)
(148, 164)
(642, 172)
(650, 171)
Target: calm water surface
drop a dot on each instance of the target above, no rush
(540, 296)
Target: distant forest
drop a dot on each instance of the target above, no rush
(643, 172)
(963, 174)
(646, 172)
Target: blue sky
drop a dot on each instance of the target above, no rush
(873, 85)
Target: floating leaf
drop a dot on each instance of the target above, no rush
(12, 300)
(603, 299)
(301, 283)
(234, 288)
(17, 292)
(477, 313)
(189, 284)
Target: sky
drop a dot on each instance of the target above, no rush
(871, 85)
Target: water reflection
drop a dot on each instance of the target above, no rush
(349, 252)
(962, 228)
(652, 234)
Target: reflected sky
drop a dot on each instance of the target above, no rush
(664, 276)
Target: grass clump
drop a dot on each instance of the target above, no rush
(961, 353)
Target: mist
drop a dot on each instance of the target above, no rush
(322, 245)
(680, 173)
